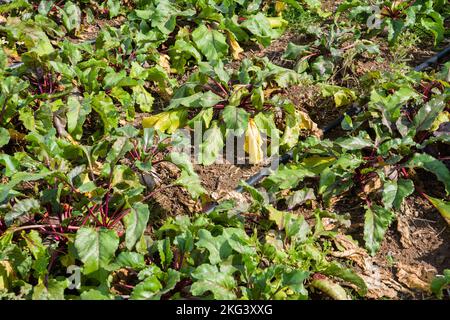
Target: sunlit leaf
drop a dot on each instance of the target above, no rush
(442, 206)
(253, 143)
(211, 42)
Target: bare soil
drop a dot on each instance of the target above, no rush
(415, 248)
(417, 241)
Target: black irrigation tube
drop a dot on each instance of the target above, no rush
(354, 110)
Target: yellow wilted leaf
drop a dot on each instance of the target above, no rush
(71, 139)
(253, 143)
(442, 206)
(234, 45)
(317, 164)
(307, 124)
(370, 185)
(164, 62)
(6, 275)
(97, 167)
(167, 121)
(343, 98)
(12, 55)
(295, 123)
(444, 116)
(277, 22)
(16, 135)
(268, 92)
(280, 6)
(276, 216)
(330, 288)
(85, 180)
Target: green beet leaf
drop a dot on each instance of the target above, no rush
(96, 248)
(376, 222)
(53, 290)
(212, 145)
(210, 42)
(431, 164)
(4, 137)
(236, 120)
(135, 223)
(210, 279)
(394, 192)
(440, 282)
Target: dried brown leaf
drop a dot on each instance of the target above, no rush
(379, 282)
(404, 230)
(416, 277)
